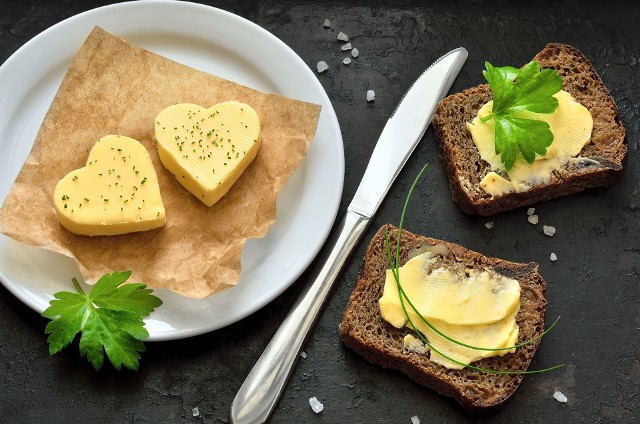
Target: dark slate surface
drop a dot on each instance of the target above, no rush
(593, 285)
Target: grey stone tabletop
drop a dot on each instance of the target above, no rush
(593, 285)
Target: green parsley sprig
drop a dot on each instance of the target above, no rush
(519, 90)
(110, 318)
(394, 265)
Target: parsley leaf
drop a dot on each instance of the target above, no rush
(110, 319)
(529, 89)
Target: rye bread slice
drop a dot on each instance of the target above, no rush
(363, 329)
(603, 156)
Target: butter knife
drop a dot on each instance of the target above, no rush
(262, 388)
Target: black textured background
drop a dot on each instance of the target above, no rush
(593, 285)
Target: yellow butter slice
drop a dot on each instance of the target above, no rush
(116, 192)
(476, 307)
(571, 125)
(207, 149)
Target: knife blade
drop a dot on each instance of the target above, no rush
(262, 388)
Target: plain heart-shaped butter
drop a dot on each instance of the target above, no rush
(207, 150)
(116, 192)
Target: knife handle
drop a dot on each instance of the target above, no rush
(262, 388)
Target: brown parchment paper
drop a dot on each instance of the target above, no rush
(112, 87)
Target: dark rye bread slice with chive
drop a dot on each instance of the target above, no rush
(601, 160)
(363, 329)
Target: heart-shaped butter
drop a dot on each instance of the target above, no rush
(207, 150)
(116, 192)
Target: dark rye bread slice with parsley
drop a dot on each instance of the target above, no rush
(602, 158)
(363, 329)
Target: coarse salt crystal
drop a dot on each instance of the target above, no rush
(531, 211)
(489, 225)
(342, 36)
(533, 219)
(355, 52)
(560, 397)
(195, 411)
(346, 61)
(316, 405)
(371, 95)
(322, 66)
(415, 420)
(346, 46)
(549, 230)
(327, 23)
(553, 257)
(303, 354)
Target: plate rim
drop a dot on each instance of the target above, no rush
(327, 109)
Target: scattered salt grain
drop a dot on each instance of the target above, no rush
(560, 397)
(553, 257)
(346, 61)
(415, 420)
(531, 211)
(371, 95)
(322, 66)
(533, 219)
(342, 36)
(316, 405)
(549, 230)
(346, 46)
(354, 52)
(489, 225)
(327, 23)
(303, 354)
(195, 411)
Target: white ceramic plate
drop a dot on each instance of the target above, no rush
(214, 41)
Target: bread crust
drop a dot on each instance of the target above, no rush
(465, 169)
(363, 329)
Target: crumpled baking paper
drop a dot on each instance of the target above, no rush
(113, 87)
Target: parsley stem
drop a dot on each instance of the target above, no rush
(403, 294)
(394, 267)
(76, 284)
(487, 370)
(395, 262)
(486, 118)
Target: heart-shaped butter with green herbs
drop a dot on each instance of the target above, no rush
(116, 192)
(207, 149)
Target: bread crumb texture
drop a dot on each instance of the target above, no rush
(600, 162)
(363, 329)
